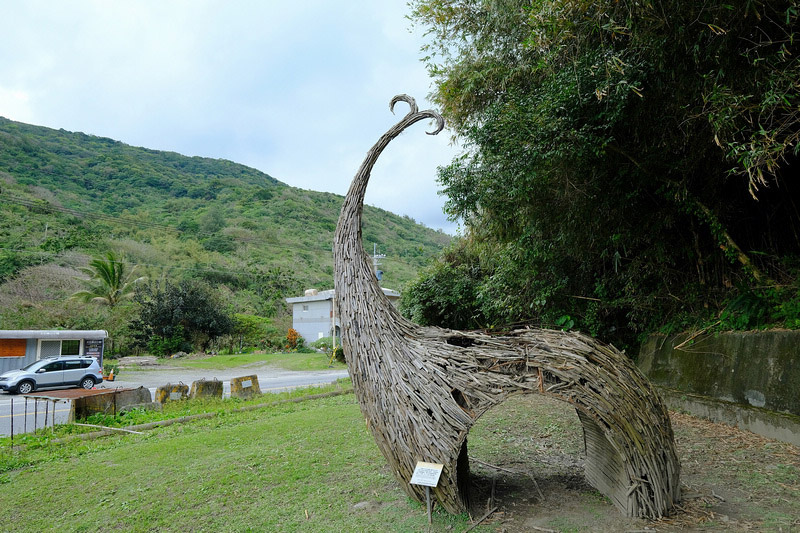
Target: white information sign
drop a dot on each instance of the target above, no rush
(247, 383)
(175, 395)
(426, 474)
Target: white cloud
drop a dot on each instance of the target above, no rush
(298, 90)
(15, 104)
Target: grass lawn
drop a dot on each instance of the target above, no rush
(287, 361)
(309, 466)
(313, 466)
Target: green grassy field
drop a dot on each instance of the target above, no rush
(287, 361)
(309, 466)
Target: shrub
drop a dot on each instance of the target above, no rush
(325, 344)
(294, 340)
(178, 317)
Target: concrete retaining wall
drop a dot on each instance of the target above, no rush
(747, 379)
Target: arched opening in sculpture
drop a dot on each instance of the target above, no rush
(630, 455)
(528, 452)
(421, 388)
(603, 457)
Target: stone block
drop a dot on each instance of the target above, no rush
(245, 387)
(172, 392)
(206, 389)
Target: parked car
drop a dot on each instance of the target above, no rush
(73, 370)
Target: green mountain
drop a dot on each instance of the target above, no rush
(66, 197)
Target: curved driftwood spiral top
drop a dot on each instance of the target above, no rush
(422, 388)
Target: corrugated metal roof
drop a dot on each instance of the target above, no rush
(53, 334)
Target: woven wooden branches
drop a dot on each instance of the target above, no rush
(422, 388)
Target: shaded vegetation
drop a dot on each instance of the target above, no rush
(629, 165)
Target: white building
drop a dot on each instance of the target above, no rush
(313, 314)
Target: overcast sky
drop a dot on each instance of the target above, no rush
(299, 90)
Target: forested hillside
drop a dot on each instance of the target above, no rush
(630, 166)
(69, 197)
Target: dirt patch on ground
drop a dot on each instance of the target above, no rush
(527, 460)
(135, 361)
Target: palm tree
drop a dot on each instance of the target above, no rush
(108, 282)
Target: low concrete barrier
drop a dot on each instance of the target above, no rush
(245, 387)
(111, 403)
(206, 389)
(171, 392)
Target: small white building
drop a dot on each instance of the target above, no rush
(18, 347)
(313, 314)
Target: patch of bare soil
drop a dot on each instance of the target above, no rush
(134, 361)
(527, 462)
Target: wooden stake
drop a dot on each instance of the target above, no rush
(428, 499)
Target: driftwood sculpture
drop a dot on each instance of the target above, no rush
(421, 388)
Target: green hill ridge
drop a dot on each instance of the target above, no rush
(67, 197)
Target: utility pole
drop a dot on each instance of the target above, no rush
(333, 316)
(376, 261)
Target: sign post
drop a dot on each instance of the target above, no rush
(427, 475)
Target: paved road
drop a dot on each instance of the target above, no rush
(270, 379)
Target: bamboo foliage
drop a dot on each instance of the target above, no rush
(421, 389)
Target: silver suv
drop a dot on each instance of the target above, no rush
(85, 372)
